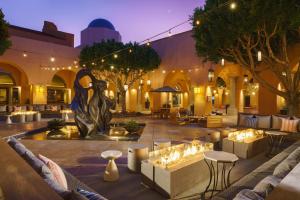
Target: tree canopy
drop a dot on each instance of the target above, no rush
(4, 42)
(120, 64)
(134, 58)
(237, 35)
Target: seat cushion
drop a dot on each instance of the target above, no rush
(265, 186)
(17, 146)
(57, 172)
(264, 122)
(247, 194)
(284, 167)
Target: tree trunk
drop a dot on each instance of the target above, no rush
(292, 104)
(123, 100)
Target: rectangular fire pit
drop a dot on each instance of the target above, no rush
(173, 170)
(245, 143)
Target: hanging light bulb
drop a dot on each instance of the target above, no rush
(130, 50)
(211, 75)
(246, 78)
(173, 71)
(102, 60)
(52, 59)
(148, 43)
(115, 55)
(222, 61)
(259, 56)
(53, 68)
(75, 62)
(69, 67)
(233, 5)
(25, 54)
(112, 67)
(197, 22)
(163, 71)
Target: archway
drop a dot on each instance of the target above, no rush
(179, 81)
(14, 86)
(61, 88)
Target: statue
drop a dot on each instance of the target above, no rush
(91, 116)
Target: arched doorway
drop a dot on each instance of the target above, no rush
(60, 90)
(14, 86)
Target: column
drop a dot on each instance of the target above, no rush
(232, 110)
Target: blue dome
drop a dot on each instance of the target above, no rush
(101, 23)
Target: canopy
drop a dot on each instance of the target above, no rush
(166, 89)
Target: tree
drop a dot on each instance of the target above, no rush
(237, 35)
(122, 67)
(4, 42)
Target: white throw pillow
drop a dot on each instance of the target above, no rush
(289, 125)
(56, 171)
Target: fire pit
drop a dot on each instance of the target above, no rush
(245, 143)
(175, 169)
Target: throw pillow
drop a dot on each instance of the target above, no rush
(33, 161)
(90, 195)
(17, 108)
(264, 122)
(276, 122)
(266, 185)
(247, 194)
(57, 172)
(289, 125)
(284, 167)
(2, 108)
(54, 108)
(50, 180)
(251, 122)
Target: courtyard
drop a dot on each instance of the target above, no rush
(150, 100)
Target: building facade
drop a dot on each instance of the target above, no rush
(40, 68)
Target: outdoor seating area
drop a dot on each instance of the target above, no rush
(150, 100)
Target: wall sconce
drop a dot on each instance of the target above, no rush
(246, 79)
(259, 56)
(211, 75)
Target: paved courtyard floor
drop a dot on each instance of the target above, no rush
(82, 158)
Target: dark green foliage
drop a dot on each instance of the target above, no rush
(220, 28)
(56, 124)
(140, 58)
(132, 126)
(4, 42)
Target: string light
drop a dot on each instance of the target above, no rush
(69, 67)
(130, 50)
(25, 54)
(222, 61)
(233, 5)
(148, 43)
(115, 55)
(259, 56)
(197, 22)
(102, 60)
(112, 67)
(52, 59)
(163, 71)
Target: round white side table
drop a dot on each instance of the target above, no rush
(224, 162)
(111, 172)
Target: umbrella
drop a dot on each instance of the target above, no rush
(166, 89)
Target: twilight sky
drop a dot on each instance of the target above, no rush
(136, 20)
